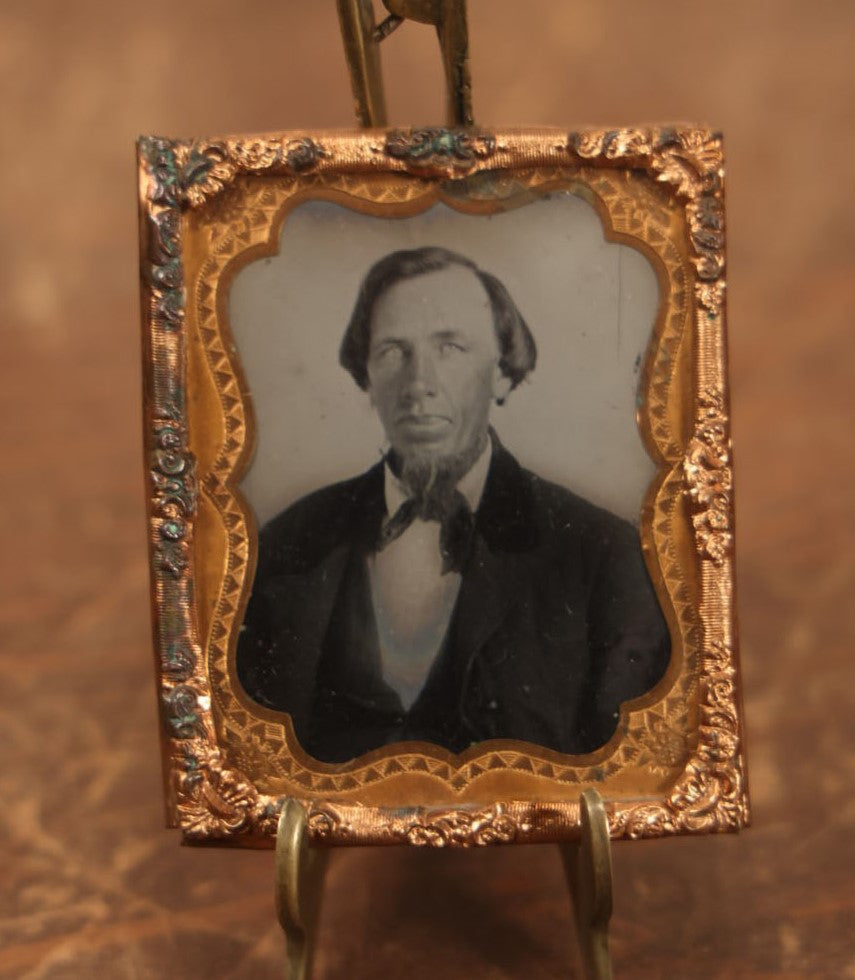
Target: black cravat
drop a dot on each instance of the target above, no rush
(451, 510)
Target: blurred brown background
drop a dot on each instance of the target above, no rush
(92, 883)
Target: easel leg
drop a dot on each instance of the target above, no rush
(299, 879)
(588, 865)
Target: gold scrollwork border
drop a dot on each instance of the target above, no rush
(208, 795)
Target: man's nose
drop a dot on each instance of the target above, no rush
(421, 377)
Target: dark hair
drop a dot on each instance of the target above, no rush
(517, 349)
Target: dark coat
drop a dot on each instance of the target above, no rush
(556, 623)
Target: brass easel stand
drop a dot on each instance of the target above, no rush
(299, 880)
(362, 39)
(587, 862)
(588, 866)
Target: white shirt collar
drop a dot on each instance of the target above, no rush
(471, 484)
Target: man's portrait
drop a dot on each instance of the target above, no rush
(446, 592)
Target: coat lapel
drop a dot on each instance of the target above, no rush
(496, 574)
(491, 587)
(351, 530)
(300, 607)
(302, 588)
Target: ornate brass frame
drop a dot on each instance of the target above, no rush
(675, 764)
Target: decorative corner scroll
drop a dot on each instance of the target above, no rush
(193, 173)
(710, 796)
(439, 152)
(691, 162)
(215, 801)
(210, 167)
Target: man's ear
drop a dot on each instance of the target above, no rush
(501, 385)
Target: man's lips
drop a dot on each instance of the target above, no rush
(426, 420)
(421, 428)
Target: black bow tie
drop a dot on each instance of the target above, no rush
(456, 522)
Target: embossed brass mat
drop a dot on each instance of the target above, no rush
(207, 208)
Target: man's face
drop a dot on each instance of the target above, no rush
(433, 363)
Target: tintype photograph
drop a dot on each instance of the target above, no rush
(441, 516)
(457, 393)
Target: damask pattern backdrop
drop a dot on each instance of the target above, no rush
(94, 886)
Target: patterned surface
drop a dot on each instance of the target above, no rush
(93, 884)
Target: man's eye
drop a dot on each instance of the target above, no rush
(388, 355)
(452, 347)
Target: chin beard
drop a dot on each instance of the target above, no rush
(428, 476)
